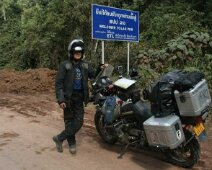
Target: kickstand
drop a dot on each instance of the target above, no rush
(125, 149)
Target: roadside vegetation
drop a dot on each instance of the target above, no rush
(173, 35)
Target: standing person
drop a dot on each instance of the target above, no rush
(71, 87)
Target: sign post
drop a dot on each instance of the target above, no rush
(128, 58)
(103, 52)
(115, 24)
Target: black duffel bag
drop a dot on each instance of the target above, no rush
(161, 93)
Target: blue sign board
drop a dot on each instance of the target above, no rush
(110, 23)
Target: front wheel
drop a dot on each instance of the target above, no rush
(185, 156)
(100, 127)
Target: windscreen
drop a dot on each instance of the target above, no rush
(107, 71)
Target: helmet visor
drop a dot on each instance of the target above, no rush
(77, 49)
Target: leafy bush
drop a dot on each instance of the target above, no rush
(190, 50)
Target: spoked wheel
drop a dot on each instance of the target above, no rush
(100, 127)
(185, 156)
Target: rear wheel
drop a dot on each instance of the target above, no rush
(185, 156)
(100, 127)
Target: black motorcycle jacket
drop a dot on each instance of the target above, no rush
(65, 77)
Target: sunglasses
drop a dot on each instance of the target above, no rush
(77, 52)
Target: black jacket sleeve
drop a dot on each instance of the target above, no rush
(59, 83)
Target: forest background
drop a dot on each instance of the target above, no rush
(174, 34)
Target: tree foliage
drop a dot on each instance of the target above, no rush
(164, 21)
(172, 33)
(37, 33)
(191, 50)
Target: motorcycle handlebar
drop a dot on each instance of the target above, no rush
(109, 87)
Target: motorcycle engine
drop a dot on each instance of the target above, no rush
(128, 133)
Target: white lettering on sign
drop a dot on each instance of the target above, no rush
(117, 15)
(110, 36)
(112, 27)
(122, 23)
(113, 21)
(130, 29)
(122, 28)
(103, 26)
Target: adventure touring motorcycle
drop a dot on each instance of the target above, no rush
(174, 122)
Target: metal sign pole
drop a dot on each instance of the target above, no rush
(103, 52)
(128, 58)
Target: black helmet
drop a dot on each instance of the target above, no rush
(75, 45)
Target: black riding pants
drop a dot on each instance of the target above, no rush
(73, 118)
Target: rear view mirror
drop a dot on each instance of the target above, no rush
(120, 70)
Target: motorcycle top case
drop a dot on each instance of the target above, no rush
(195, 101)
(164, 132)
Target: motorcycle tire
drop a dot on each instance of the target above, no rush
(99, 123)
(185, 156)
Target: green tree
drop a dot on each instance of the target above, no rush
(164, 21)
(36, 33)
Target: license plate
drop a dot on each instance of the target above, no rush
(199, 128)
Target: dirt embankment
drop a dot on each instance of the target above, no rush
(27, 82)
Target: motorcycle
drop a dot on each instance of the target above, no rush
(172, 122)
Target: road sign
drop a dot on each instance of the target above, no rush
(110, 23)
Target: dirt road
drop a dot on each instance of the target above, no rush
(28, 124)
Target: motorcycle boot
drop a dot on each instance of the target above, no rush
(58, 143)
(72, 149)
